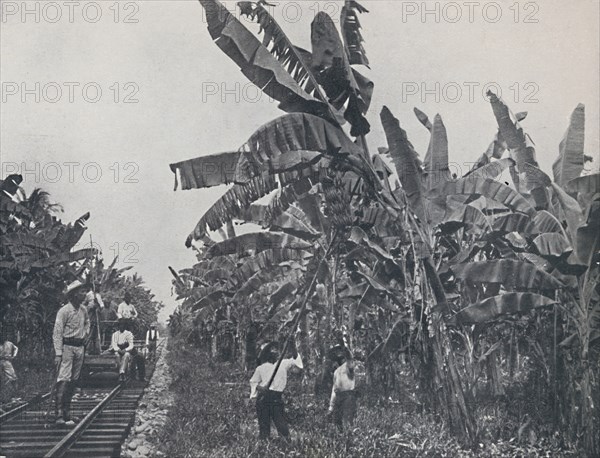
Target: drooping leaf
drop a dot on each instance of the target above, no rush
(587, 242)
(351, 32)
(552, 244)
(458, 215)
(294, 132)
(262, 276)
(255, 242)
(260, 66)
(511, 273)
(587, 184)
(330, 60)
(569, 163)
(488, 188)
(268, 259)
(206, 171)
(571, 210)
(232, 204)
(534, 178)
(491, 170)
(498, 307)
(358, 236)
(294, 221)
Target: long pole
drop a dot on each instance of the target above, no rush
(93, 272)
(302, 307)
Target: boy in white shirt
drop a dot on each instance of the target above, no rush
(269, 402)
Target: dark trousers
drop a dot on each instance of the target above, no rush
(269, 406)
(139, 364)
(344, 409)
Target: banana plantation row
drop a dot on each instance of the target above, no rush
(39, 256)
(486, 291)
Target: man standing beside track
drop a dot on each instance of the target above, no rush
(151, 340)
(71, 331)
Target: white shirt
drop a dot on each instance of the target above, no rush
(341, 382)
(149, 335)
(126, 311)
(263, 374)
(120, 338)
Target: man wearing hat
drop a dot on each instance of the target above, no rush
(269, 402)
(151, 340)
(71, 331)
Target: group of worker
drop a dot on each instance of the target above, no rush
(72, 333)
(270, 379)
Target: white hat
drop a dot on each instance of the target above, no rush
(73, 286)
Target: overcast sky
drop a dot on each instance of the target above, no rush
(162, 98)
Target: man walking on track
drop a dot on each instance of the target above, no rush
(71, 331)
(269, 402)
(151, 340)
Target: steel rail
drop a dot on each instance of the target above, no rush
(17, 410)
(71, 438)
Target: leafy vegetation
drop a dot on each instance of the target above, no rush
(37, 260)
(481, 288)
(213, 417)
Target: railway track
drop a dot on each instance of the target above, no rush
(107, 415)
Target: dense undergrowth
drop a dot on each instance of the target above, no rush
(212, 417)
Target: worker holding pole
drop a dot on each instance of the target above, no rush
(267, 386)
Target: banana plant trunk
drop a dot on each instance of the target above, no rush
(451, 393)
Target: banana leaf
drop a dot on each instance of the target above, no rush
(553, 245)
(334, 74)
(423, 119)
(587, 184)
(407, 162)
(232, 204)
(206, 171)
(295, 222)
(492, 169)
(588, 236)
(571, 210)
(570, 161)
(268, 259)
(488, 188)
(353, 38)
(260, 66)
(435, 164)
(255, 242)
(499, 307)
(512, 133)
(458, 215)
(294, 132)
(516, 274)
(261, 277)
